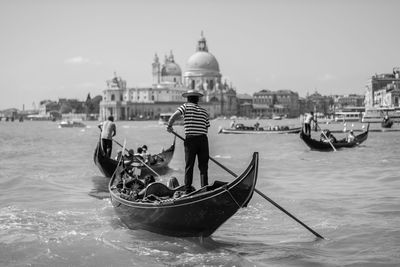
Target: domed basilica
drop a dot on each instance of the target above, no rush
(202, 73)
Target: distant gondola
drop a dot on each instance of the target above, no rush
(197, 214)
(108, 165)
(387, 123)
(322, 146)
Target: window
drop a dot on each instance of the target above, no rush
(112, 97)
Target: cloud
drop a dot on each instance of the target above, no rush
(80, 60)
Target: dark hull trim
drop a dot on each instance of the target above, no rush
(108, 165)
(321, 146)
(196, 215)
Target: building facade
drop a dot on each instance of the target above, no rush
(165, 94)
(267, 103)
(382, 90)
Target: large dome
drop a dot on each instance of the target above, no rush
(202, 60)
(171, 69)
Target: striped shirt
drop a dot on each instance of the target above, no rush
(108, 129)
(195, 119)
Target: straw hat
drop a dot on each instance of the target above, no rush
(192, 92)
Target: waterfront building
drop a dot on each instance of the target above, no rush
(351, 100)
(319, 103)
(382, 90)
(267, 103)
(382, 96)
(245, 102)
(141, 102)
(388, 97)
(165, 94)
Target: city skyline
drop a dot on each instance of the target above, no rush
(67, 49)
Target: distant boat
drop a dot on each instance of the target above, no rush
(376, 115)
(164, 118)
(71, 123)
(241, 129)
(276, 117)
(387, 123)
(347, 116)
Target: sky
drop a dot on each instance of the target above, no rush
(51, 49)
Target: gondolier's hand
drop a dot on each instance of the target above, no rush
(169, 128)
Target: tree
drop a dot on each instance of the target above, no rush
(89, 105)
(65, 108)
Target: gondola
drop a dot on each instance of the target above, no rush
(197, 214)
(387, 123)
(322, 146)
(108, 165)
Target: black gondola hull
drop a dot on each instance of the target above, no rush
(323, 146)
(387, 124)
(196, 215)
(107, 165)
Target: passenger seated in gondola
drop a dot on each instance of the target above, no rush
(239, 126)
(139, 154)
(327, 137)
(148, 158)
(386, 119)
(350, 137)
(136, 159)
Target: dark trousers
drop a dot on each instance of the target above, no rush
(107, 146)
(196, 146)
(307, 128)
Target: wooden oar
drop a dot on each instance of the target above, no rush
(138, 159)
(260, 193)
(334, 149)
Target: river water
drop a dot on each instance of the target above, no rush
(54, 209)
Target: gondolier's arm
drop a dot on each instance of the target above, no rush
(172, 119)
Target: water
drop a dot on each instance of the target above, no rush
(49, 217)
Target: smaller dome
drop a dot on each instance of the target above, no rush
(171, 69)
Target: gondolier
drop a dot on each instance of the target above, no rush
(196, 124)
(307, 123)
(108, 130)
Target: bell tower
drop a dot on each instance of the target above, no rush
(156, 70)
